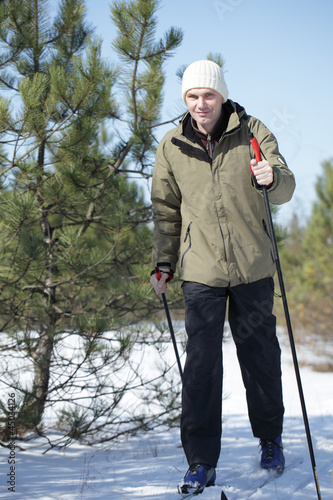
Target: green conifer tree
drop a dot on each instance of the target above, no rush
(307, 259)
(317, 264)
(74, 240)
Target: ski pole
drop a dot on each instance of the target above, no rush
(257, 153)
(172, 333)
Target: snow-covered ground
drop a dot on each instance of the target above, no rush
(149, 466)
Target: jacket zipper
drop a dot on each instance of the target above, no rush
(187, 235)
(210, 145)
(231, 132)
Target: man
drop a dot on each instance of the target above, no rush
(210, 219)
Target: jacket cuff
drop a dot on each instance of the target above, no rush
(259, 186)
(164, 264)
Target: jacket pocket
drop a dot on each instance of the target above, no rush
(189, 243)
(269, 236)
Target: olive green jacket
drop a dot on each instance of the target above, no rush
(209, 217)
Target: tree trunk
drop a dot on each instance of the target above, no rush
(31, 412)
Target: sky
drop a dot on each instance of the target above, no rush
(278, 64)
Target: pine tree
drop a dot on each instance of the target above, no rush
(317, 268)
(74, 238)
(307, 260)
(319, 234)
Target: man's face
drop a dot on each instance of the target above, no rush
(205, 107)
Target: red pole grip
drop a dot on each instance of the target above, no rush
(158, 273)
(256, 148)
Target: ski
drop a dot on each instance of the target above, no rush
(273, 475)
(193, 495)
(183, 496)
(262, 482)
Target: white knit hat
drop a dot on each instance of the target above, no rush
(204, 74)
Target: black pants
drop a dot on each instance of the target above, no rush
(253, 328)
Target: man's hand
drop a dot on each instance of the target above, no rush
(160, 286)
(263, 172)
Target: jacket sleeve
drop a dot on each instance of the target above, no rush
(283, 185)
(166, 200)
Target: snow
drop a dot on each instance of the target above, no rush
(149, 466)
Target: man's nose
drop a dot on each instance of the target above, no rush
(201, 102)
